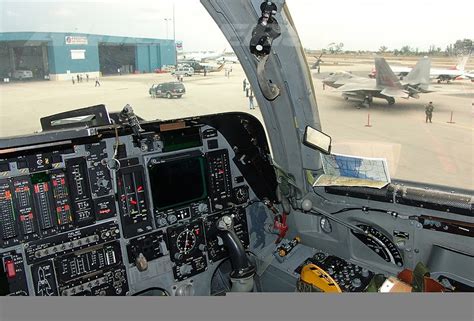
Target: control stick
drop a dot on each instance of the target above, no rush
(242, 270)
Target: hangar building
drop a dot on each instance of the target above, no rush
(60, 56)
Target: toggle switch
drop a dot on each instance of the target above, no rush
(10, 269)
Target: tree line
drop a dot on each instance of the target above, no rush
(459, 47)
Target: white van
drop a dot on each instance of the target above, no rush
(184, 71)
(22, 74)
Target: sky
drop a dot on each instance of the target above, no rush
(359, 25)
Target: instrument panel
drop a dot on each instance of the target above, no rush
(99, 217)
(116, 214)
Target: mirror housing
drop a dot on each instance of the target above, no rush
(318, 140)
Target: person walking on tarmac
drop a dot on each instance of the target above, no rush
(251, 103)
(429, 111)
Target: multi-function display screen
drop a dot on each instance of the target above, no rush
(178, 182)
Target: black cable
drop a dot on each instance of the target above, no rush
(348, 209)
(338, 220)
(152, 289)
(366, 209)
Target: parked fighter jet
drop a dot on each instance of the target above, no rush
(386, 85)
(439, 74)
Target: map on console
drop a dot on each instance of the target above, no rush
(344, 170)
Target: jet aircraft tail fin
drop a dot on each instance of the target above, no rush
(462, 63)
(420, 74)
(385, 76)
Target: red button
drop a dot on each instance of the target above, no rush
(10, 269)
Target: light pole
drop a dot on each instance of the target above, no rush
(167, 20)
(174, 25)
(174, 38)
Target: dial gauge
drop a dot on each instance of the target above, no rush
(186, 241)
(241, 194)
(380, 244)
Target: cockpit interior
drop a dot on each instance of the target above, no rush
(110, 204)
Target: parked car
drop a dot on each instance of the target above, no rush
(22, 74)
(167, 90)
(183, 71)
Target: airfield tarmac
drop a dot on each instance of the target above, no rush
(440, 153)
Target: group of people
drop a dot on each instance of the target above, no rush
(249, 93)
(80, 78)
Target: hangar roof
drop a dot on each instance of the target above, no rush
(61, 36)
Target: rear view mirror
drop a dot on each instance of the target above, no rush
(316, 139)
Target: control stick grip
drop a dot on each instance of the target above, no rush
(241, 266)
(236, 250)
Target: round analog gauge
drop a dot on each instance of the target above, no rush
(241, 194)
(186, 241)
(325, 225)
(380, 244)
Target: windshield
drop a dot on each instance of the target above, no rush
(62, 55)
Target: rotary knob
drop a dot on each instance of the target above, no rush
(356, 282)
(162, 222)
(365, 273)
(185, 269)
(203, 208)
(172, 219)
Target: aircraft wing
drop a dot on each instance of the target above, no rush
(426, 89)
(396, 93)
(341, 81)
(358, 86)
